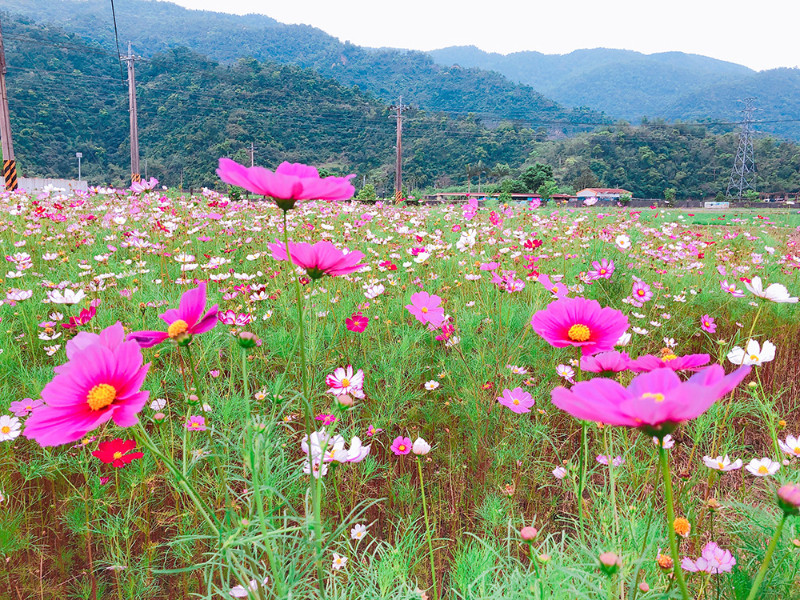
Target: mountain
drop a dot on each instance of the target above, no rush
(155, 27)
(68, 95)
(631, 85)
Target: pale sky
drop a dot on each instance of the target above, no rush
(760, 34)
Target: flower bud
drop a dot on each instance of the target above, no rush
(752, 385)
(665, 562)
(420, 447)
(643, 587)
(345, 400)
(247, 340)
(789, 499)
(528, 533)
(713, 504)
(543, 558)
(609, 563)
(159, 416)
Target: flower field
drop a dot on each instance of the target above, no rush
(304, 398)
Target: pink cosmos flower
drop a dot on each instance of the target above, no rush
(668, 360)
(656, 401)
(580, 322)
(426, 308)
(195, 423)
(517, 400)
(323, 258)
(326, 419)
(707, 324)
(83, 318)
(101, 382)
(21, 408)
(401, 445)
(290, 182)
(372, 430)
(602, 270)
(356, 323)
(605, 362)
(346, 381)
(641, 291)
(713, 560)
(731, 289)
(556, 288)
(188, 320)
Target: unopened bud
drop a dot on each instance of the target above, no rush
(713, 504)
(544, 558)
(528, 533)
(789, 499)
(345, 400)
(643, 587)
(420, 447)
(752, 385)
(159, 416)
(609, 563)
(247, 340)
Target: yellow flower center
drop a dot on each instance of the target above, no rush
(345, 382)
(194, 425)
(656, 397)
(602, 271)
(640, 292)
(579, 333)
(753, 357)
(554, 289)
(669, 356)
(424, 309)
(117, 455)
(101, 396)
(516, 402)
(762, 470)
(402, 447)
(5, 429)
(177, 328)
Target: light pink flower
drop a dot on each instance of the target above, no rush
(517, 400)
(426, 308)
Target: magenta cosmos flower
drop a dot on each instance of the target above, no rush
(708, 324)
(426, 308)
(656, 401)
(668, 360)
(517, 400)
(601, 270)
(401, 445)
(322, 258)
(290, 182)
(605, 362)
(184, 322)
(580, 322)
(101, 382)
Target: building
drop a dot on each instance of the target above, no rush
(603, 193)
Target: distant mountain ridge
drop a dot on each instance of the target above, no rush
(630, 85)
(387, 74)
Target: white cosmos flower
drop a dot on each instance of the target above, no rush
(624, 340)
(623, 242)
(431, 385)
(791, 446)
(763, 467)
(721, 463)
(239, 591)
(373, 291)
(158, 404)
(420, 447)
(10, 428)
(775, 292)
(66, 297)
(753, 354)
(358, 532)
(339, 562)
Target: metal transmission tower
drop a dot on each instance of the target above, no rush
(743, 174)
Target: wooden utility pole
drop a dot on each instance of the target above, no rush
(130, 59)
(9, 163)
(252, 154)
(398, 167)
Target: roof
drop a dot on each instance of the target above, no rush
(603, 191)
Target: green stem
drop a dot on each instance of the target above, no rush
(315, 489)
(182, 481)
(767, 558)
(244, 381)
(582, 478)
(428, 530)
(673, 543)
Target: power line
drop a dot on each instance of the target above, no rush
(116, 40)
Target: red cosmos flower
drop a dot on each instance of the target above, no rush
(387, 264)
(83, 318)
(117, 452)
(357, 323)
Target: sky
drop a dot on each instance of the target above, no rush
(760, 35)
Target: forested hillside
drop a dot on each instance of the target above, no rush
(155, 27)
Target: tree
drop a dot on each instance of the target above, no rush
(669, 194)
(536, 176)
(587, 179)
(547, 189)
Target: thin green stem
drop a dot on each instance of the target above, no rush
(762, 572)
(582, 478)
(428, 530)
(673, 543)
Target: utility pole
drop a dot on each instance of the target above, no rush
(252, 154)
(130, 59)
(743, 174)
(398, 167)
(9, 163)
(79, 156)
